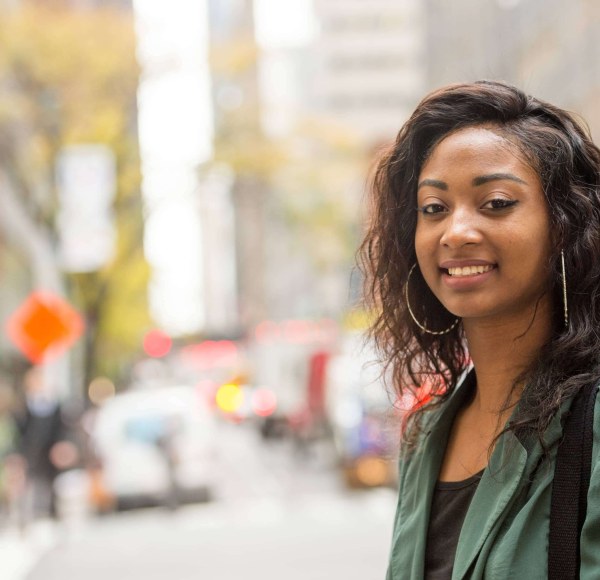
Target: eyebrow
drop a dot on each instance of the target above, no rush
(434, 183)
(497, 177)
(480, 180)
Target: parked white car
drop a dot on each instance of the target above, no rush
(156, 446)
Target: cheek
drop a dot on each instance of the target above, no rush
(541, 264)
(530, 256)
(534, 242)
(425, 250)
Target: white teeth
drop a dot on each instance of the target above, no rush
(469, 270)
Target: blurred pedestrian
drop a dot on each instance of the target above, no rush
(167, 443)
(483, 263)
(41, 432)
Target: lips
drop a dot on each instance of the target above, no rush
(466, 274)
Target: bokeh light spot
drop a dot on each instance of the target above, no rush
(229, 398)
(101, 389)
(372, 471)
(157, 343)
(264, 402)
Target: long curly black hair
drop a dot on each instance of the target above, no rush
(560, 149)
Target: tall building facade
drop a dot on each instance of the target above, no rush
(549, 48)
(238, 134)
(369, 63)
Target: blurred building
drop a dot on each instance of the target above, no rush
(176, 130)
(220, 275)
(369, 63)
(288, 60)
(240, 243)
(549, 48)
(318, 72)
(337, 79)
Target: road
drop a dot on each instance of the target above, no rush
(276, 517)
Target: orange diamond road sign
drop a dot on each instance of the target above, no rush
(44, 326)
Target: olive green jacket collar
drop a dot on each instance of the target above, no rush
(509, 470)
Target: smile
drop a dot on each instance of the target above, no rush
(470, 270)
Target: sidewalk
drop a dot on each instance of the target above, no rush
(20, 552)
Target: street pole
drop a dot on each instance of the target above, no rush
(37, 246)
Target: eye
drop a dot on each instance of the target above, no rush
(432, 209)
(499, 203)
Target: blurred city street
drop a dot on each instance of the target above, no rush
(276, 517)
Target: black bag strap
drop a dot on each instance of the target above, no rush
(572, 472)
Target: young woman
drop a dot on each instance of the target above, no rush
(483, 266)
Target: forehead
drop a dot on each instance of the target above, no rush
(476, 150)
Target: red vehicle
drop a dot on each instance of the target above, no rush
(289, 359)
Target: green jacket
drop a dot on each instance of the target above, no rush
(505, 531)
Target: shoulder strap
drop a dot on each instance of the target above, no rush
(569, 490)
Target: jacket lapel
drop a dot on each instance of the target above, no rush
(491, 502)
(511, 466)
(422, 470)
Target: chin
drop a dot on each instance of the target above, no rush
(469, 311)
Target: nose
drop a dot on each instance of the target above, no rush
(461, 228)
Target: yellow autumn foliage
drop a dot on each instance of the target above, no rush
(67, 77)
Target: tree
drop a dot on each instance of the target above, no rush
(70, 77)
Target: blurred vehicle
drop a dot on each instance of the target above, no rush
(288, 367)
(240, 402)
(154, 447)
(364, 422)
(309, 425)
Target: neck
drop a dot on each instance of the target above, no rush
(501, 350)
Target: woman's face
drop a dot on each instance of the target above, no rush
(483, 230)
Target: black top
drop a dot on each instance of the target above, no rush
(449, 507)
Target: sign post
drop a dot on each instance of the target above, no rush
(44, 327)
(86, 178)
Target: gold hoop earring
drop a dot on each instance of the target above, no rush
(412, 315)
(564, 288)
